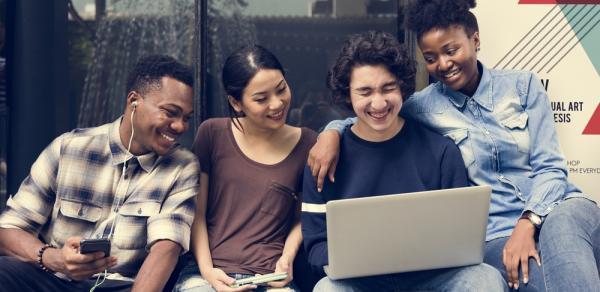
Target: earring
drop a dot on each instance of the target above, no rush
(477, 49)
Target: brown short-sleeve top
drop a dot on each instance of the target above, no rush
(251, 206)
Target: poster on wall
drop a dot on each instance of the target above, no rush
(560, 42)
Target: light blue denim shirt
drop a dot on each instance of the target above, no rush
(507, 138)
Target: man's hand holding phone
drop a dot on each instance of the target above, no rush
(87, 246)
(75, 265)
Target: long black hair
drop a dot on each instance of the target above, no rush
(240, 67)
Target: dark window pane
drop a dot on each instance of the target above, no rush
(306, 37)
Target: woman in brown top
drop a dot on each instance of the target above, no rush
(247, 218)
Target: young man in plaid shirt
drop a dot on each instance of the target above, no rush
(128, 181)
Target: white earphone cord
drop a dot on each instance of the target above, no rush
(102, 276)
(123, 172)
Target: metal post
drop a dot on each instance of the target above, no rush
(37, 56)
(100, 9)
(201, 102)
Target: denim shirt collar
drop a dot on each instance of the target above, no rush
(483, 94)
(119, 152)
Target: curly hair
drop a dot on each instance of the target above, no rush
(371, 48)
(424, 15)
(149, 70)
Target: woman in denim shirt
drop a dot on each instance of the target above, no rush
(543, 233)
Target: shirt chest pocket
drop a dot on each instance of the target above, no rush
(462, 140)
(75, 219)
(517, 127)
(132, 221)
(279, 201)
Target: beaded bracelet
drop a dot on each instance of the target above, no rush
(39, 257)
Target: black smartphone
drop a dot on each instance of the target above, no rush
(95, 245)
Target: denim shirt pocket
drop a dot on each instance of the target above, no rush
(461, 139)
(132, 221)
(517, 126)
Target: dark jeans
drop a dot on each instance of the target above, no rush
(16, 275)
(569, 247)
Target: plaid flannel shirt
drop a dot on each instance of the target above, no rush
(76, 188)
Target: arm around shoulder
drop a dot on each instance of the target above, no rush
(339, 125)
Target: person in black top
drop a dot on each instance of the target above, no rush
(383, 153)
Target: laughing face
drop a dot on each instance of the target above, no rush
(161, 116)
(376, 100)
(265, 101)
(451, 57)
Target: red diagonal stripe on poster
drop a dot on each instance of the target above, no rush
(559, 1)
(593, 126)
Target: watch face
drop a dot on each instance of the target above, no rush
(535, 219)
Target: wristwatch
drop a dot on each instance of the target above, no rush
(534, 218)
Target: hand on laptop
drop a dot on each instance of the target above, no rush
(284, 264)
(517, 251)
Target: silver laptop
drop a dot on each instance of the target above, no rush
(406, 232)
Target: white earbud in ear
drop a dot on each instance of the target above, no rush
(134, 104)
